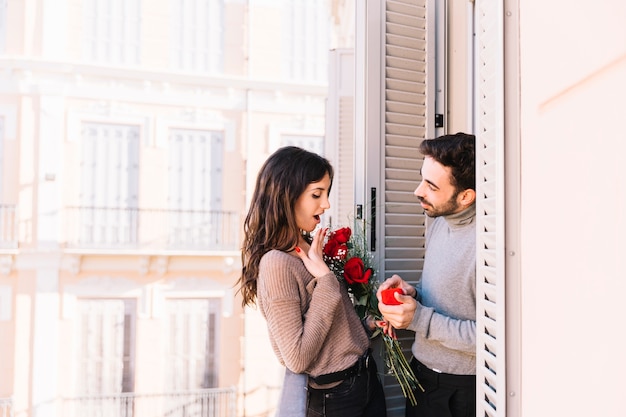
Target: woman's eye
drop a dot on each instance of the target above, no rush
(316, 196)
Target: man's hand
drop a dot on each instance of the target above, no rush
(396, 282)
(398, 316)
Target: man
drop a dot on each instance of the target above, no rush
(441, 310)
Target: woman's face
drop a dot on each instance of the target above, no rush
(311, 204)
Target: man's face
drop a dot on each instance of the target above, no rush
(436, 194)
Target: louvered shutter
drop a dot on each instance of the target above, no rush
(339, 140)
(102, 348)
(192, 349)
(490, 286)
(406, 102)
(1, 134)
(110, 183)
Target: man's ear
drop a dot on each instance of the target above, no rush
(467, 197)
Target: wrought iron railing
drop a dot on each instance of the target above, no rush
(8, 226)
(212, 402)
(111, 228)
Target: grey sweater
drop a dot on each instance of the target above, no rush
(445, 319)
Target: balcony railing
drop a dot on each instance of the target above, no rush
(6, 407)
(114, 228)
(8, 227)
(213, 402)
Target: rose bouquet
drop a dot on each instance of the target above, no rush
(348, 258)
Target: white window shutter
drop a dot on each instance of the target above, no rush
(215, 170)
(2, 135)
(192, 349)
(490, 285)
(399, 85)
(110, 183)
(197, 40)
(306, 39)
(195, 169)
(309, 142)
(112, 31)
(195, 185)
(339, 142)
(3, 25)
(105, 358)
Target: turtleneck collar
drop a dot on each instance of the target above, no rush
(462, 218)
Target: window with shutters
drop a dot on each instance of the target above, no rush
(490, 285)
(403, 91)
(2, 134)
(339, 141)
(405, 106)
(195, 186)
(105, 333)
(192, 353)
(198, 35)
(3, 26)
(310, 143)
(395, 106)
(109, 184)
(306, 40)
(112, 31)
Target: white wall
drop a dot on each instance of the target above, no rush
(573, 207)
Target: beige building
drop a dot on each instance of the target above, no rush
(130, 135)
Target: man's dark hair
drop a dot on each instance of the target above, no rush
(458, 152)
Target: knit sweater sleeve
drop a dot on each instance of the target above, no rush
(456, 334)
(297, 308)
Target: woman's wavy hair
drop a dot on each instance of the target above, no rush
(458, 152)
(270, 222)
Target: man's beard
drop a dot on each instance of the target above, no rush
(449, 207)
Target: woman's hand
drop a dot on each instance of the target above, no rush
(314, 259)
(386, 328)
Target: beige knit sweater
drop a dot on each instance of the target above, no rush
(312, 324)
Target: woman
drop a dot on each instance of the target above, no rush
(312, 325)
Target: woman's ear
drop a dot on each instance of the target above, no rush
(467, 197)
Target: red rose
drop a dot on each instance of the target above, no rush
(342, 235)
(389, 297)
(335, 250)
(353, 271)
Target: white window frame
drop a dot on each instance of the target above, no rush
(306, 40)
(3, 25)
(109, 197)
(197, 43)
(195, 176)
(112, 31)
(112, 334)
(184, 344)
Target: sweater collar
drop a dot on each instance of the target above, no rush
(462, 218)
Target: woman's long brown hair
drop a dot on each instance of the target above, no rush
(270, 222)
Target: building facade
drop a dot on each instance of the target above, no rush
(130, 135)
